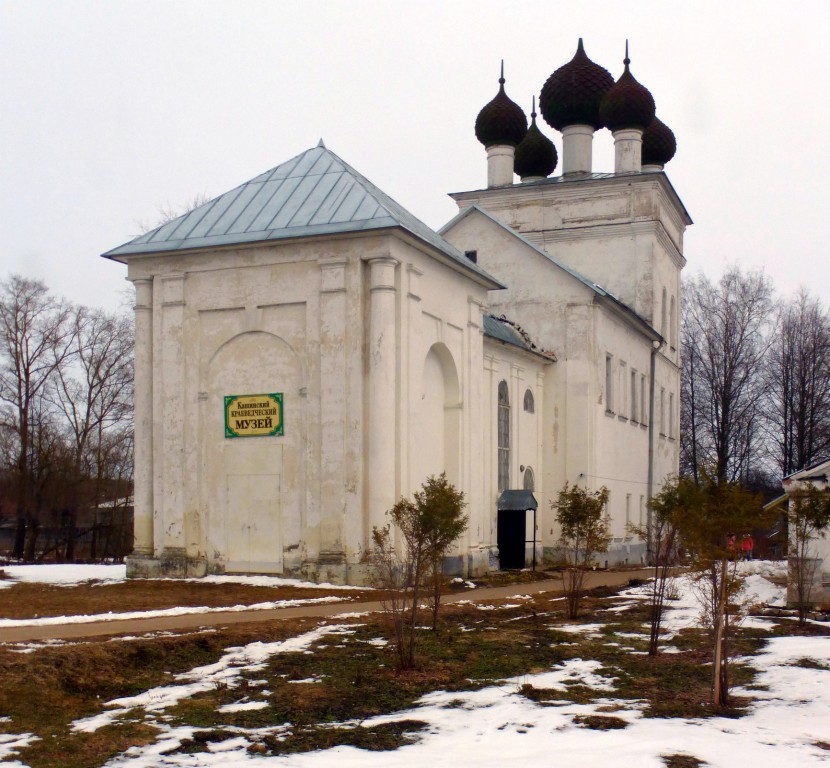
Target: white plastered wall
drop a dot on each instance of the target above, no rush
(246, 321)
(441, 386)
(581, 442)
(521, 372)
(363, 335)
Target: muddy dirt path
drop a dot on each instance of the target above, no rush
(224, 618)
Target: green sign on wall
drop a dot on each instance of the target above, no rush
(253, 415)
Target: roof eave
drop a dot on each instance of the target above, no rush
(629, 315)
(470, 270)
(124, 252)
(587, 178)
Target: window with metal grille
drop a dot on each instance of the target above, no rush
(504, 436)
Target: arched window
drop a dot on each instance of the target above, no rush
(529, 480)
(529, 406)
(504, 436)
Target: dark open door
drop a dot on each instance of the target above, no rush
(511, 539)
(512, 527)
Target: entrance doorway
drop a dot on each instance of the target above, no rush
(254, 541)
(511, 539)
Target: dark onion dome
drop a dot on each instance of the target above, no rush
(536, 155)
(502, 121)
(627, 104)
(659, 144)
(572, 94)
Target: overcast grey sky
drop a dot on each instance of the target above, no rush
(113, 109)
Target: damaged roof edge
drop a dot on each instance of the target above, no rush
(506, 332)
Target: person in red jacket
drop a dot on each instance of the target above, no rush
(747, 545)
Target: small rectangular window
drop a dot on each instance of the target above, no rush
(622, 399)
(662, 421)
(671, 414)
(609, 383)
(635, 397)
(643, 400)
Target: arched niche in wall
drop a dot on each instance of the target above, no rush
(438, 418)
(253, 486)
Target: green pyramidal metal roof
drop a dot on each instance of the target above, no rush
(314, 193)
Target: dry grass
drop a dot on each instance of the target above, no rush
(682, 761)
(27, 600)
(43, 692)
(601, 722)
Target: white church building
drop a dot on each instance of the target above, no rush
(307, 351)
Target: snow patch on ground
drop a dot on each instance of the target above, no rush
(572, 672)
(763, 585)
(65, 575)
(243, 706)
(588, 630)
(477, 729)
(182, 611)
(12, 743)
(68, 575)
(272, 581)
(227, 671)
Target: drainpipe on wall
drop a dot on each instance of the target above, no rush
(655, 346)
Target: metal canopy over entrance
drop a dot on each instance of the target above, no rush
(512, 528)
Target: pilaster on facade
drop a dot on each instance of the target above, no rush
(382, 389)
(325, 531)
(170, 424)
(475, 313)
(516, 382)
(143, 452)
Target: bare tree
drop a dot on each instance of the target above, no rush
(581, 516)
(167, 212)
(94, 396)
(798, 384)
(666, 507)
(710, 512)
(428, 526)
(726, 338)
(36, 338)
